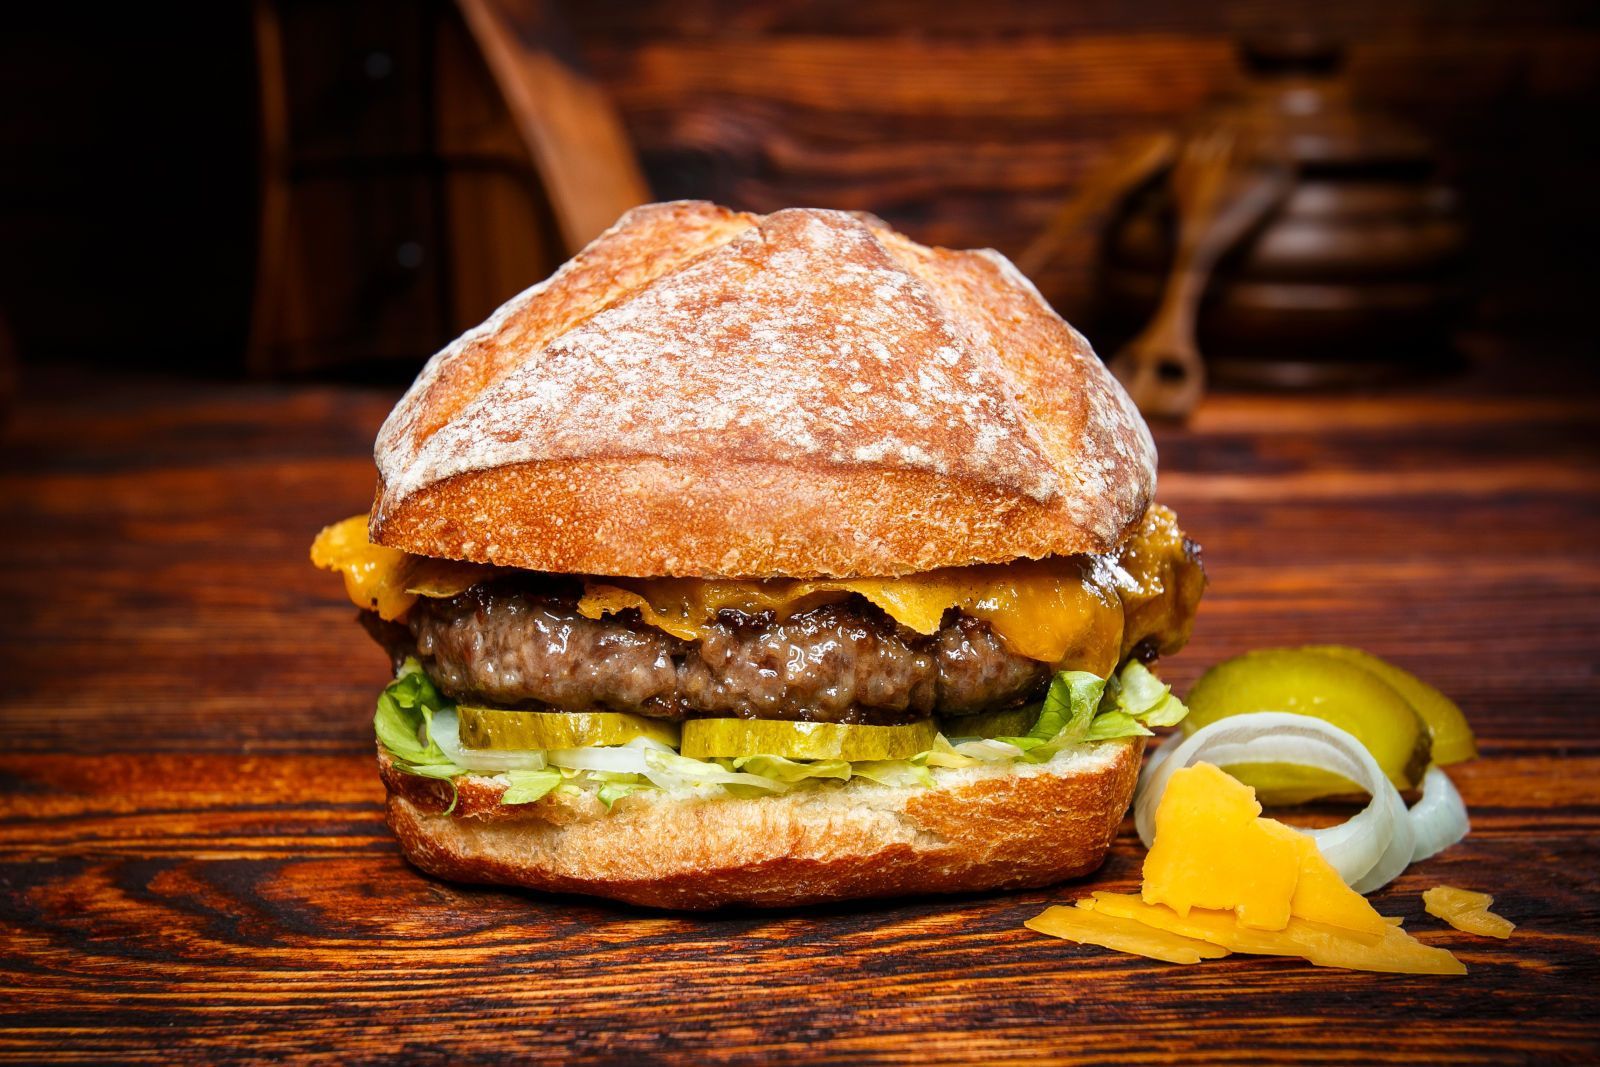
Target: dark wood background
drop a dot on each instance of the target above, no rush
(193, 863)
(127, 204)
(194, 866)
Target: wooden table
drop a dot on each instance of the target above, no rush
(194, 865)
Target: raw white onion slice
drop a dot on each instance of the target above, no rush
(1370, 849)
(619, 759)
(1439, 819)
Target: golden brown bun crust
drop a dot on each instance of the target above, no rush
(1019, 828)
(707, 393)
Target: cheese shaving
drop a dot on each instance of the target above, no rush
(1087, 927)
(1466, 911)
(1393, 950)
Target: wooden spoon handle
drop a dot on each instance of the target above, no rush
(1218, 199)
(1132, 162)
(1161, 368)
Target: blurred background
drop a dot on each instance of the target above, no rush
(331, 189)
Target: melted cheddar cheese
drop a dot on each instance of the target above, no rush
(1074, 612)
(386, 580)
(1062, 610)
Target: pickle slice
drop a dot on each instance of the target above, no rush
(705, 738)
(1452, 737)
(1011, 722)
(1323, 687)
(495, 728)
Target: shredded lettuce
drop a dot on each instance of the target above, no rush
(1068, 709)
(893, 772)
(1137, 692)
(418, 727)
(404, 724)
(524, 787)
(669, 770)
(792, 772)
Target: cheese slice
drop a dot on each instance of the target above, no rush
(1393, 950)
(1122, 934)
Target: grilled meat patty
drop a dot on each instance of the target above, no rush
(513, 646)
(519, 642)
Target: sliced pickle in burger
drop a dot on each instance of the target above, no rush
(497, 728)
(712, 738)
(1324, 687)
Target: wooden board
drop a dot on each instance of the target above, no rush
(193, 863)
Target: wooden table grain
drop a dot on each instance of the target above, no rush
(194, 865)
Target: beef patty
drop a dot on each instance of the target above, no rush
(510, 645)
(519, 642)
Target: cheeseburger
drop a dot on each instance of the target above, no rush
(766, 560)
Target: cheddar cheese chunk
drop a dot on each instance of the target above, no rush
(1211, 850)
(1321, 895)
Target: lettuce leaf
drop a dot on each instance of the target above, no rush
(1138, 692)
(404, 725)
(611, 792)
(1064, 718)
(524, 787)
(1135, 701)
(792, 772)
(1114, 724)
(1078, 708)
(1082, 707)
(893, 772)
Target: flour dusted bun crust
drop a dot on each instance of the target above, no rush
(979, 828)
(705, 393)
(702, 392)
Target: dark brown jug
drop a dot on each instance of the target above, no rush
(1350, 277)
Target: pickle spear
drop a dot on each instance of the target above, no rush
(706, 738)
(495, 728)
(1452, 737)
(1323, 687)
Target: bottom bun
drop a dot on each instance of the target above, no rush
(986, 827)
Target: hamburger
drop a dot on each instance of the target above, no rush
(766, 560)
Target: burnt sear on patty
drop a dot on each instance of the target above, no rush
(517, 644)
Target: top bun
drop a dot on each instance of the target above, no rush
(703, 392)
